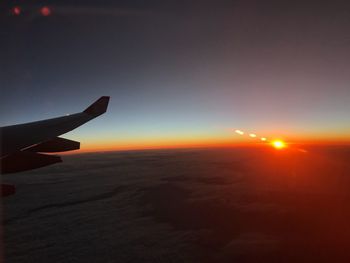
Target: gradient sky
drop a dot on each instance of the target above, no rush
(181, 72)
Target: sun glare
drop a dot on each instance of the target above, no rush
(239, 132)
(278, 144)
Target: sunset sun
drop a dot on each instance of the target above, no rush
(278, 144)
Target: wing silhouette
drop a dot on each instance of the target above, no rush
(23, 146)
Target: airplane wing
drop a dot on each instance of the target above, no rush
(23, 145)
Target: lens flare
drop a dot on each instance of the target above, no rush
(239, 132)
(263, 139)
(278, 144)
(16, 10)
(45, 11)
(252, 135)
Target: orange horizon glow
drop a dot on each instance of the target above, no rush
(222, 138)
(114, 145)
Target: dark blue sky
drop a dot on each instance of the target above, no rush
(181, 70)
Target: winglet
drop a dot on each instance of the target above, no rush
(98, 107)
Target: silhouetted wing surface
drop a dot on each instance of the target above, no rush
(22, 136)
(23, 146)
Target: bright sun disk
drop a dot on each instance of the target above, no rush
(278, 144)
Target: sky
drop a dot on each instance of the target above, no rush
(180, 73)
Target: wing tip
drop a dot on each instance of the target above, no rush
(98, 107)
